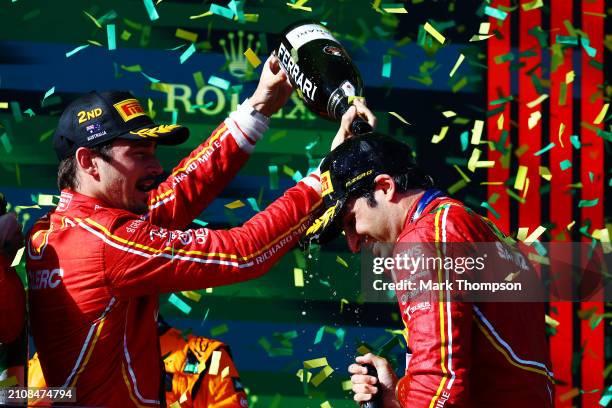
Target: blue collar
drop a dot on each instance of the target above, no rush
(427, 197)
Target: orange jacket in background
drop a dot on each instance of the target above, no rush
(187, 365)
(189, 380)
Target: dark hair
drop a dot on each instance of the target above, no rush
(410, 180)
(67, 170)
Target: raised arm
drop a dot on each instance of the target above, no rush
(201, 176)
(144, 259)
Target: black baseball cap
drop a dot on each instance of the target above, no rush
(349, 171)
(99, 117)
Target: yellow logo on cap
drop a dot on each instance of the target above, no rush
(155, 131)
(84, 116)
(129, 109)
(326, 184)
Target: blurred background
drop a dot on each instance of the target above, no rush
(523, 76)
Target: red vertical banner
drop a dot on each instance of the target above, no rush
(592, 178)
(498, 126)
(530, 122)
(561, 201)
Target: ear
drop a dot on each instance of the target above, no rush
(86, 162)
(386, 185)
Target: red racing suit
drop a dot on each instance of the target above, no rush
(465, 354)
(95, 272)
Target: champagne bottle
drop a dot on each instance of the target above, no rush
(321, 71)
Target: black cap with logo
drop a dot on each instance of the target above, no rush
(349, 171)
(96, 118)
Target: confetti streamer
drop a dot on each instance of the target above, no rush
(602, 114)
(591, 52)
(150, 78)
(386, 68)
(125, 35)
(463, 175)
(321, 376)
(459, 85)
(495, 13)
(341, 261)
(110, 35)
(186, 35)
(299, 5)
(218, 330)
(18, 257)
(49, 93)
(574, 392)
(342, 303)
(545, 173)
(187, 53)
(477, 132)
(213, 369)
(273, 177)
(535, 4)
(92, 18)
(4, 105)
(326, 404)
(190, 294)
(131, 68)
(394, 8)
(218, 82)
(200, 222)
(606, 398)
(300, 375)
(565, 164)
(434, 33)
(438, 138)
(449, 114)
(575, 141)
(77, 49)
(398, 116)
(222, 11)
(252, 58)
(474, 163)
(253, 203)
(205, 14)
(6, 143)
(45, 200)
(568, 40)
(483, 32)
(298, 277)
(234, 204)
(491, 209)
(521, 174)
(544, 149)
(316, 363)
(534, 118)
(151, 10)
(522, 233)
(534, 235)
(179, 303)
(537, 101)
(588, 203)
